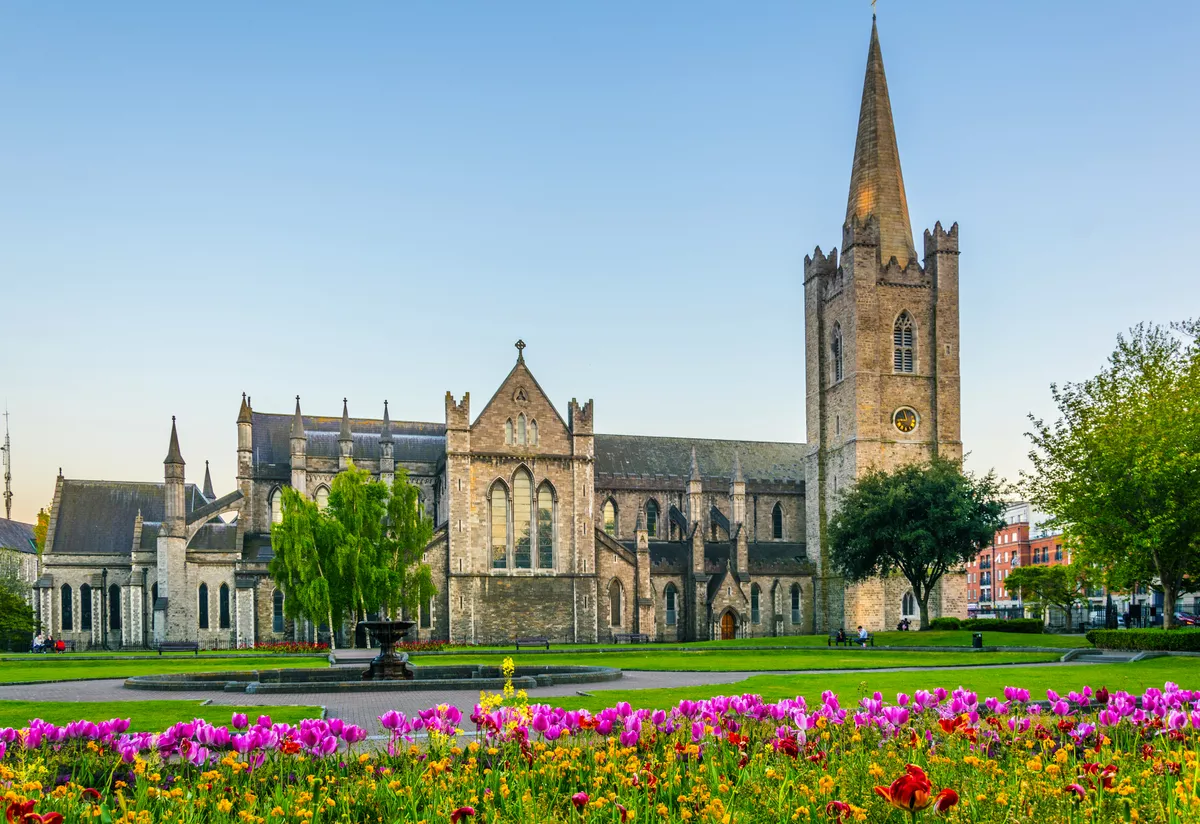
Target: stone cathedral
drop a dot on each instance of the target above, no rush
(544, 526)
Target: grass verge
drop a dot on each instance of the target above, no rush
(63, 668)
(147, 716)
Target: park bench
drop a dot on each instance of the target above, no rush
(533, 641)
(851, 640)
(179, 646)
(68, 646)
(631, 638)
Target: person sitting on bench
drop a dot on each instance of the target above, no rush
(862, 636)
(841, 636)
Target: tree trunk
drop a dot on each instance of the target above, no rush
(1169, 596)
(332, 637)
(1067, 610)
(923, 603)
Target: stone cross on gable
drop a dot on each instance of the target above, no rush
(520, 344)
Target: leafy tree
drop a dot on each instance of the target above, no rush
(921, 520)
(1121, 467)
(10, 573)
(1059, 586)
(357, 504)
(40, 528)
(16, 619)
(407, 581)
(305, 562)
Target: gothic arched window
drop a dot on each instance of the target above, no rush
(755, 598)
(545, 526)
(670, 596)
(508, 432)
(522, 520)
(521, 429)
(223, 606)
(426, 615)
(68, 621)
(499, 525)
(610, 517)
(903, 334)
(277, 611)
(908, 604)
(114, 607)
(533, 436)
(777, 522)
(652, 518)
(85, 606)
(203, 604)
(614, 603)
(795, 603)
(322, 496)
(275, 502)
(835, 346)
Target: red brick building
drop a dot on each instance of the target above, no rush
(987, 595)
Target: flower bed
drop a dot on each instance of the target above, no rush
(287, 646)
(1086, 756)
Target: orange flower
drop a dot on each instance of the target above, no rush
(910, 792)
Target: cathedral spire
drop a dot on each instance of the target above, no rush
(297, 421)
(876, 184)
(173, 454)
(344, 432)
(385, 432)
(208, 490)
(244, 412)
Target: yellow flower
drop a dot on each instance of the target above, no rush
(225, 805)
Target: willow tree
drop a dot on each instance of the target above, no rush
(1120, 467)
(405, 579)
(305, 562)
(357, 504)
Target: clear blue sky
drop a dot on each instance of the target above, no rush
(375, 200)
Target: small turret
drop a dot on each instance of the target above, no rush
(299, 441)
(209, 495)
(387, 462)
(174, 457)
(737, 525)
(345, 439)
(173, 476)
(244, 412)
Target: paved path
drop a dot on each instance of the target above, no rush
(364, 708)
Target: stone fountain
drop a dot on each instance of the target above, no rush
(388, 665)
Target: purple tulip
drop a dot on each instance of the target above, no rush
(240, 721)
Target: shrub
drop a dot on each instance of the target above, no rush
(945, 623)
(1173, 640)
(1032, 626)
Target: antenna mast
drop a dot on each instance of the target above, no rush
(7, 469)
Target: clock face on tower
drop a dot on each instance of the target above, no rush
(905, 419)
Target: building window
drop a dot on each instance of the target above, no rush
(521, 429)
(614, 603)
(652, 518)
(1058, 552)
(203, 606)
(836, 350)
(755, 614)
(795, 604)
(522, 520)
(223, 606)
(277, 611)
(499, 519)
(670, 598)
(276, 505)
(322, 496)
(427, 614)
(610, 517)
(903, 358)
(908, 604)
(777, 522)
(533, 435)
(68, 621)
(85, 606)
(508, 432)
(114, 607)
(545, 527)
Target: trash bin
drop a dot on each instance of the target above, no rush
(977, 640)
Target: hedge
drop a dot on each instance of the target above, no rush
(1174, 640)
(945, 623)
(1031, 626)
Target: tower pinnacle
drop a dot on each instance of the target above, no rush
(876, 183)
(208, 487)
(173, 454)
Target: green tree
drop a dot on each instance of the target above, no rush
(921, 520)
(406, 580)
(305, 562)
(1121, 467)
(1059, 586)
(40, 528)
(16, 620)
(357, 505)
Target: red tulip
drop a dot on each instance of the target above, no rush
(837, 810)
(579, 799)
(1077, 789)
(16, 813)
(909, 792)
(943, 801)
(624, 812)
(461, 813)
(90, 795)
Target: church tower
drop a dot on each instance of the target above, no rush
(881, 343)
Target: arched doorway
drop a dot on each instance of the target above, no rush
(728, 626)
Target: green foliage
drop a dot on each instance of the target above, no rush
(17, 624)
(360, 556)
(922, 520)
(1060, 586)
(1120, 468)
(946, 623)
(40, 528)
(1175, 640)
(1030, 626)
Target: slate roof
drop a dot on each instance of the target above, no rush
(649, 455)
(766, 558)
(96, 517)
(16, 535)
(215, 537)
(414, 440)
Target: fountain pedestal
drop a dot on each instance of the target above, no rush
(388, 665)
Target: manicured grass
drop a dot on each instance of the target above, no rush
(707, 659)
(144, 716)
(1133, 677)
(64, 668)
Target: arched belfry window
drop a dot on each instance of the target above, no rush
(545, 526)
(498, 502)
(835, 350)
(904, 351)
(777, 522)
(610, 517)
(522, 518)
(652, 518)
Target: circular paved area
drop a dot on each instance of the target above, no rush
(364, 708)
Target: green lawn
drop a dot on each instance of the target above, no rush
(708, 659)
(64, 668)
(849, 686)
(146, 716)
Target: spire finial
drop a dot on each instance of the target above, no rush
(297, 422)
(173, 454)
(344, 432)
(385, 433)
(208, 487)
(244, 412)
(641, 519)
(520, 344)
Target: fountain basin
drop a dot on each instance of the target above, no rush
(339, 679)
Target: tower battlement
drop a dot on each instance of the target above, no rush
(579, 418)
(820, 264)
(941, 241)
(458, 414)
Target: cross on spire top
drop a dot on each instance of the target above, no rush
(520, 344)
